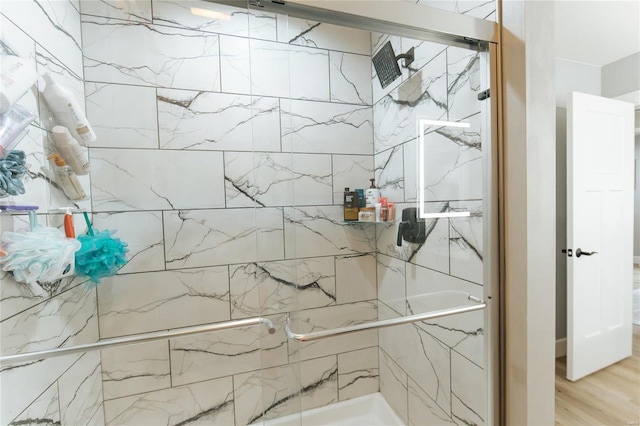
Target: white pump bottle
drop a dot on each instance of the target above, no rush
(67, 111)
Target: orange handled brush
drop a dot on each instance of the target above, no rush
(69, 230)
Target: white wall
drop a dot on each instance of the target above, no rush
(621, 77)
(570, 76)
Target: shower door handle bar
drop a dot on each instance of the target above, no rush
(139, 338)
(317, 335)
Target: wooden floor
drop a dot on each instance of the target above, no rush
(608, 397)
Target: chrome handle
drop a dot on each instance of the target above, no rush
(579, 253)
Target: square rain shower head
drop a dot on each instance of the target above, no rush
(386, 65)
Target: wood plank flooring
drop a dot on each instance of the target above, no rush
(608, 397)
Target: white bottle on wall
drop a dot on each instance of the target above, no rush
(67, 111)
(71, 152)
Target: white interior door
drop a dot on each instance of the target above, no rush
(600, 220)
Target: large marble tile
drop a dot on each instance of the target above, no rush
(411, 166)
(122, 116)
(134, 369)
(54, 25)
(433, 253)
(464, 82)
(217, 121)
(453, 163)
(423, 411)
(425, 359)
(320, 127)
(484, 9)
(350, 78)
(219, 237)
(283, 70)
(16, 297)
(393, 385)
(277, 287)
(275, 392)
(309, 73)
(276, 179)
(143, 233)
(202, 16)
(462, 414)
(139, 10)
(209, 402)
(350, 171)
(328, 318)
(320, 231)
(302, 32)
(468, 386)
(138, 179)
(154, 56)
(98, 417)
(464, 332)
(358, 373)
(30, 378)
(152, 301)
(423, 51)
(391, 283)
(270, 71)
(44, 410)
(356, 278)
(389, 172)
(466, 241)
(424, 95)
(80, 390)
(235, 64)
(263, 25)
(66, 319)
(222, 353)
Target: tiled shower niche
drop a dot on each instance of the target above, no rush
(223, 150)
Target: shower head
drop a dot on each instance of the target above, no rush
(386, 64)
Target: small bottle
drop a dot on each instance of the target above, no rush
(70, 150)
(67, 180)
(361, 199)
(391, 213)
(67, 111)
(378, 207)
(372, 195)
(383, 209)
(350, 205)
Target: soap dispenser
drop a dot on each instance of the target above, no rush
(372, 195)
(67, 179)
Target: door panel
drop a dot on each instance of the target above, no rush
(599, 219)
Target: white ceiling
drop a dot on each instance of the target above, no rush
(597, 32)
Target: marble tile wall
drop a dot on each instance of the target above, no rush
(224, 148)
(65, 390)
(425, 367)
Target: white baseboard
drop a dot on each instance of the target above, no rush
(561, 347)
(636, 260)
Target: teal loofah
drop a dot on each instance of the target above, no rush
(100, 255)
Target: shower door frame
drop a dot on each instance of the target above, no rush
(427, 23)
